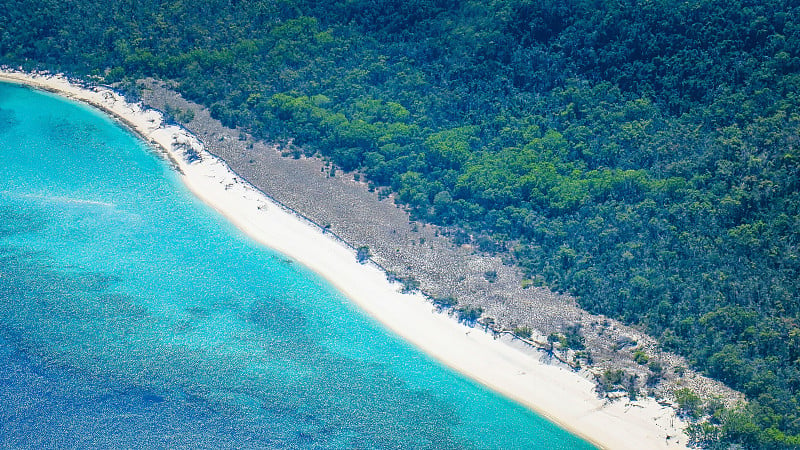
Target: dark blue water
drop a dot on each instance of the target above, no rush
(133, 316)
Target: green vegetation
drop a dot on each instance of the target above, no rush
(469, 314)
(614, 380)
(524, 332)
(643, 156)
(408, 283)
(445, 302)
(573, 337)
(689, 403)
(640, 357)
(177, 115)
(363, 254)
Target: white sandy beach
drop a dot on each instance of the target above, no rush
(566, 397)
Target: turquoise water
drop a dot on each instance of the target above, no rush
(134, 316)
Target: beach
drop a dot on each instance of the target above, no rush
(562, 395)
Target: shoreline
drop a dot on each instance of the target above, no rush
(559, 394)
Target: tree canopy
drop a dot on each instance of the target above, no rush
(641, 155)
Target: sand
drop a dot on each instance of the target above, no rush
(562, 395)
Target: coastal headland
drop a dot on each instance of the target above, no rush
(500, 362)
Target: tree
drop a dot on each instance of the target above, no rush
(363, 254)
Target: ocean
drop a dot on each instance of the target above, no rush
(132, 315)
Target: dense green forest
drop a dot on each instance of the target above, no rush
(643, 155)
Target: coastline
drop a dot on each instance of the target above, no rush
(559, 394)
